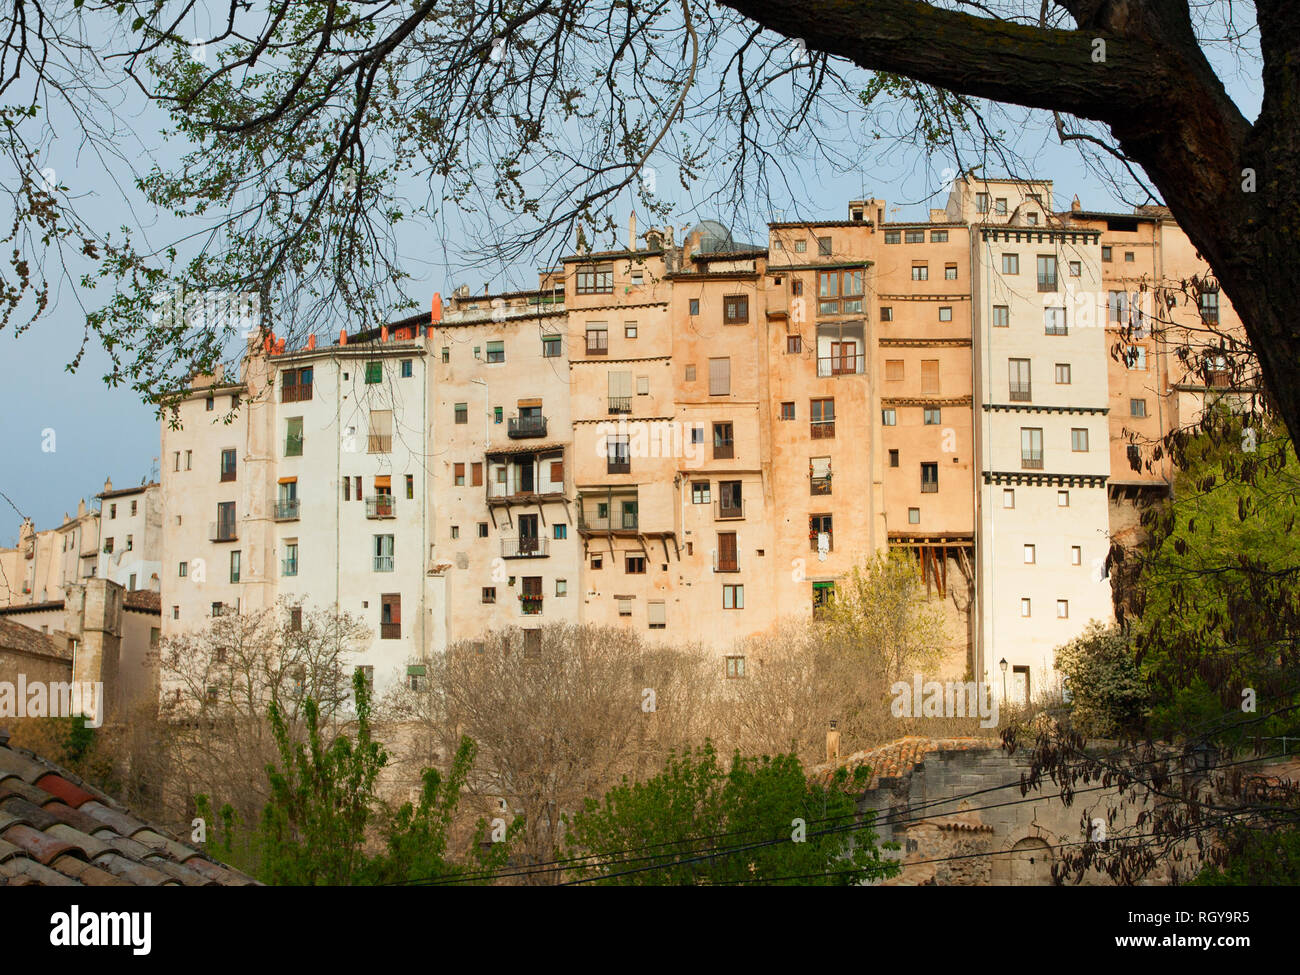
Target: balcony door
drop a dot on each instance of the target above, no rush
(524, 476)
(527, 533)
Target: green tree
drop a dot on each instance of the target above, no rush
(697, 823)
(1108, 695)
(1256, 859)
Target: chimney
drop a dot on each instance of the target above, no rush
(311, 342)
(343, 336)
(383, 333)
(435, 309)
(1075, 205)
(108, 484)
(833, 743)
(631, 231)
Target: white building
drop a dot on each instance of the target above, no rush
(131, 535)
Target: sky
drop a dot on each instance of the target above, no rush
(64, 433)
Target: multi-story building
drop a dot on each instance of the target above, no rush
(44, 563)
(130, 522)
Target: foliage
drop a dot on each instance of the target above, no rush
(1256, 858)
(1107, 693)
(697, 823)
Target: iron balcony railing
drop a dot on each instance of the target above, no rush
(286, 509)
(521, 427)
(1020, 392)
(929, 487)
(381, 506)
(620, 404)
(288, 567)
(383, 563)
(530, 604)
(823, 429)
(222, 531)
(1032, 460)
(619, 465)
(830, 540)
(842, 365)
(597, 344)
(525, 547)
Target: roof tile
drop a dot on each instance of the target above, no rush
(136, 873)
(86, 873)
(28, 812)
(57, 785)
(87, 844)
(39, 845)
(14, 763)
(113, 818)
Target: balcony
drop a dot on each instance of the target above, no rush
(597, 344)
(1047, 284)
(620, 404)
(285, 509)
(227, 474)
(847, 364)
(830, 541)
(822, 429)
(383, 563)
(819, 485)
(381, 506)
(525, 548)
(724, 451)
(1032, 461)
(530, 604)
(729, 511)
(379, 443)
(618, 465)
(932, 487)
(721, 564)
(610, 510)
(521, 427)
(295, 393)
(1020, 392)
(222, 531)
(288, 567)
(390, 631)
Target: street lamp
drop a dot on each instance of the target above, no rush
(1003, 664)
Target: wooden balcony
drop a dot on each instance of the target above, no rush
(295, 393)
(734, 511)
(849, 364)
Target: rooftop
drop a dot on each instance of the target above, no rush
(897, 759)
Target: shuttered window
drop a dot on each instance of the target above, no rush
(719, 377)
(929, 375)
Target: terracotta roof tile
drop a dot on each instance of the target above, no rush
(23, 639)
(57, 785)
(57, 829)
(143, 599)
(895, 759)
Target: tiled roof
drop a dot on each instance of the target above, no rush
(143, 599)
(896, 759)
(23, 639)
(56, 830)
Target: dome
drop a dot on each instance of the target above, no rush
(714, 237)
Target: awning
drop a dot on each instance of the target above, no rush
(287, 480)
(383, 480)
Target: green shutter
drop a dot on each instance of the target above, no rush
(374, 372)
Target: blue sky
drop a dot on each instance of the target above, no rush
(100, 432)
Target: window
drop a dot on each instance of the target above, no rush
(459, 474)
(787, 411)
(293, 436)
(618, 457)
(629, 330)
(949, 270)
(227, 466)
(561, 532)
(839, 292)
(176, 612)
(498, 414)
(189, 459)
(225, 522)
(735, 309)
(893, 237)
(1129, 257)
(1008, 497)
(723, 441)
(889, 417)
(939, 237)
(893, 458)
(635, 565)
(1137, 357)
(1063, 499)
(929, 478)
(695, 306)
(1031, 447)
(108, 546)
(374, 372)
(384, 552)
(823, 247)
(211, 404)
(1010, 263)
(1079, 440)
(482, 529)
(1076, 269)
(410, 483)
(920, 272)
(930, 416)
(914, 236)
(819, 525)
(130, 542)
(476, 475)
(731, 503)
(822, 417)
(177, 466)
(657, 610)
(551, 346)
(913, 516)
(1018, 380)
(720, 377)
(894, 371)
(390, 616)
(461, 412)
(1029, 555)
(183, 569)
(930, 376)
(1024, 607)
(733, 597)
(1031, 219)
(735, 667)
(380, 440)
(1062, 374)
(289, 565)
(1046, 272)
(1054, 321)
(561, 587)
(133, 508)
(496, 352)
(1209, 306)
(945, 313)
(796, 286)
(1105, 254)
(597, 339)
(981, 203)
(1062, 609)
(697, 434)
(595, 279)
(624, 604)
(597, 561)
(1117, 304)
(406, 368)
(489, 594)
(235, 559)
(446, 353)
(1001, 316)
(1137, 407)
(886, 313)
(793, 344)
(1000, 205)
(1076, 555)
